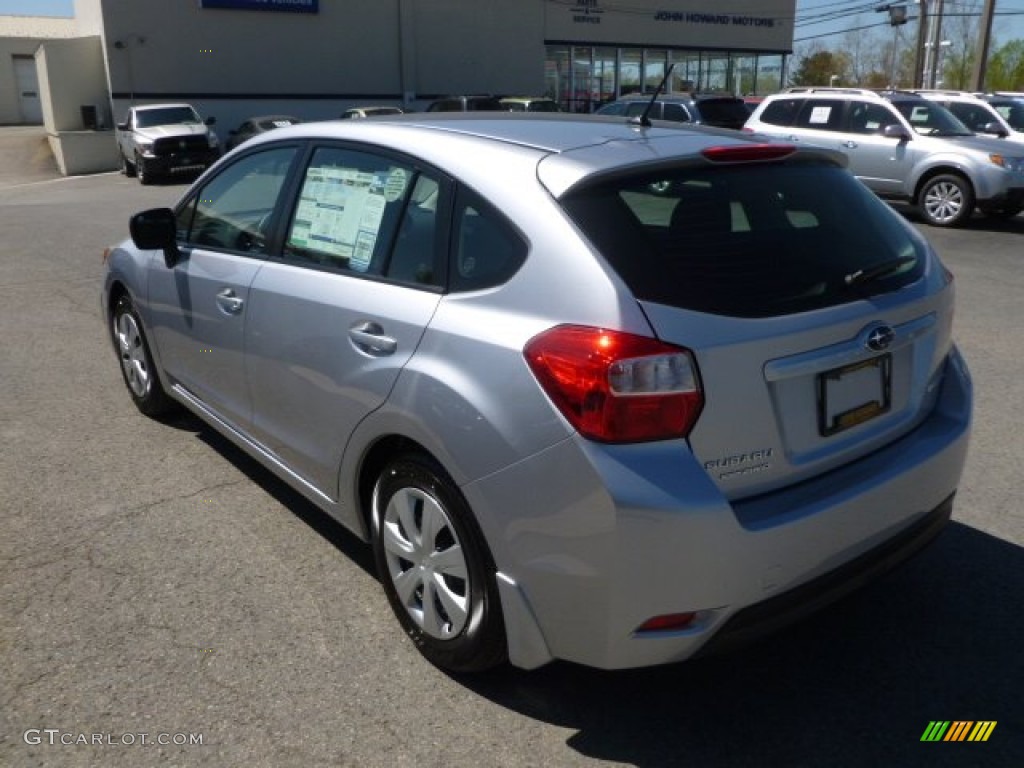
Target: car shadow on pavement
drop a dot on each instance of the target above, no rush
(854, 685)
(330, 529)
(977, 223)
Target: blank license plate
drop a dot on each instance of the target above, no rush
(853, 394)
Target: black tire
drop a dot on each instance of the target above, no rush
(128, 169)
(946, 200)
(136, 361)
(145, 176)
(452, 616)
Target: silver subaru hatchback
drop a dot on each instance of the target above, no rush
(591, 390)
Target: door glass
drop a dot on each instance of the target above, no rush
(604, 76)
(654, 69)
(366, 213)
(234, 210)
(629, 72)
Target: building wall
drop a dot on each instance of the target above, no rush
(751, 25)
(10, 109)
(21, 36)
(41, 27)
(233, 64)
(71, 75)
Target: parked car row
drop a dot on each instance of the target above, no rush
(908, 146)
(949, 153)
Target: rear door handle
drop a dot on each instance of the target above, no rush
(229, 301)
(370, 338)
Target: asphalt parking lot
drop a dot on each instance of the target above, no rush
(157, 586)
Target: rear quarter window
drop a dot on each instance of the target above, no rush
(747, 241)
(781, 112)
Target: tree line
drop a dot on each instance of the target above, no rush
(883, 57)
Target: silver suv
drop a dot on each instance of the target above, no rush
(903, 146)
(990, 113)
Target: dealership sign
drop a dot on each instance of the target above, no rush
(296, 6)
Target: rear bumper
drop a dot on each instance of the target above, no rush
(591, 541)
(760, 619)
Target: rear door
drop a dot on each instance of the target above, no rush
(877, 160)
(334, 320)
(817, 336)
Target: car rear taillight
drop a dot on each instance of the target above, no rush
(616, 387)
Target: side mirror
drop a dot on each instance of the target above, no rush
(995, 129)
(122, 126)
(211, 121)
(156, 229)
(895, 131)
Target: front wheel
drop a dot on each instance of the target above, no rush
(143, 173)
(128, 169)
(946, 200)
(137, 367)
(435, 567)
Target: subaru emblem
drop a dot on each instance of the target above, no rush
(880, 338)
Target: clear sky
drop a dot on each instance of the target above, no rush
(37, 7)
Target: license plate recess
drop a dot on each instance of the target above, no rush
(854, 394)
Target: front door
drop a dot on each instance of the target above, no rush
(201, 306)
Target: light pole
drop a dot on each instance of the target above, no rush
(897, 18)
(126, 46)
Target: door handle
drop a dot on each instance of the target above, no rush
(370, 338)
(229, 301)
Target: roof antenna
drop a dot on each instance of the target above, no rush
(643, 120)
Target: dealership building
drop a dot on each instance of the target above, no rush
(233, 59)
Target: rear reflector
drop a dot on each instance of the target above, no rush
(668, 622)
(616, 387)
(747, 153)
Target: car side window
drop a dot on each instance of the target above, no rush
(781, 112)
(366, 213)
(676, 112)
(233, 210)
(975, 118)
(868, 118)
(487, 249)
(821, 115)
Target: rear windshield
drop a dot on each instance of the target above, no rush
(749, 241)
(726, 113)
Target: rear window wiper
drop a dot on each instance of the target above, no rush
(862, 276)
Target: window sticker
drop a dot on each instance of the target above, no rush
(340, 212)
(395, 185)
(820, 115)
